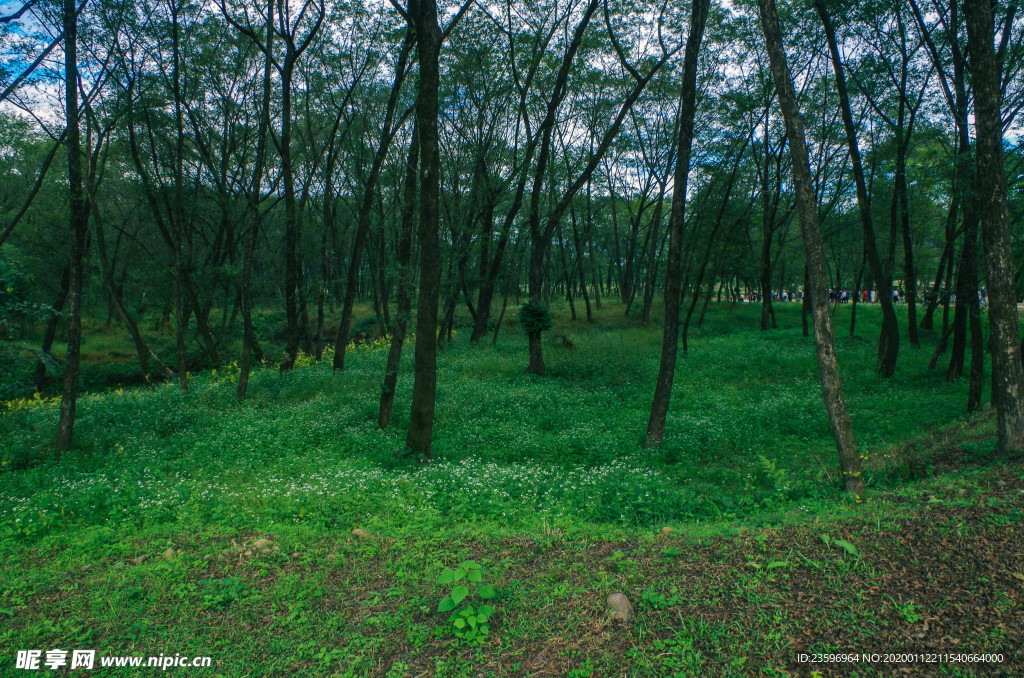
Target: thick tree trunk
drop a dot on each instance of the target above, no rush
(828, 370)
(676, 223)
(1007, 374)
(423, 13)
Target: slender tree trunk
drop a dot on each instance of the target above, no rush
(252, 218)
(141, 349)
(369, 193)
(566, 274)
(405, 284)
(945, 260)
(888, 348)
(51, 331)
(291, 231)
(1007, 373)
(79, 222)
(828, 370)
(579, 267)
(676, 224)
(178, 209)
(805, 302)
(590, 248)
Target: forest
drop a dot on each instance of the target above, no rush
(537, 338)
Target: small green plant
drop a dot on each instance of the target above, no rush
(469, 621)
(847, 547)
(222, 592)
(908, 611)
(658, 601)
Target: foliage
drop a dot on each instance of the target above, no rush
(15, 306)
(535, 317)
(469, 619)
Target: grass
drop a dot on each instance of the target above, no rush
(541, 480)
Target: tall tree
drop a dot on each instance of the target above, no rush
(828, 369)
(889, 342)
(676, 222)
(79, 218)
(422, 15)
(1007, 373)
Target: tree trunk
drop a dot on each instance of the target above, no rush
(423, 14)
(405, 284)
(291, 228)
(79, 222)
(676, 224)
(252, 218)
(369, 192)
(828, 370)
(1007, 374)
(51, 331)
(888, 345)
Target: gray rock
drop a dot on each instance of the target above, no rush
(619, 607)
(169, 554)
(667, 530)
(360, 533)
(262, 545)
(139, 560)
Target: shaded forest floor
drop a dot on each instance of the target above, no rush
(146, 538)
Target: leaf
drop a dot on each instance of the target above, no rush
(469, 565)
(460, 623)
(828, 540)
(485, 611)
(487, 592)
(459, 594)
(458, 574)
(848, 547)
(10, 612)
(447, 577)
(474, 576)
(1016, 575)
(777, 564)
(447, 605)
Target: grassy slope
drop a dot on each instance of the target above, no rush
(540, 480)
